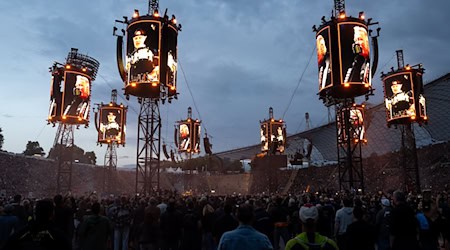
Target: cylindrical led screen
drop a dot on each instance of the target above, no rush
(112, 124)
(76, 98)
(143, 56)
(324, 62)
(399, 96)
(354, 54)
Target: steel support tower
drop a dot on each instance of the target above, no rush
(110, 167)
(110, 162)
(64, 144)
(148, 146)
(409, 159)
(349, 151)
(408, 149)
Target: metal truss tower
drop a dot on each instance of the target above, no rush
(64, 144)
(110, 167)
(349, 151)
(409, 158)
(110, 162)
(148, 146)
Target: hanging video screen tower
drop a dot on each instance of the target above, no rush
(344, 54)
(70, 89)
(151, 62)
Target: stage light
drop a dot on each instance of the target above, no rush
(136, 14)
(84, 69)
(342, 15)
(413, 117)
(156, 13)
(366, 85)
(68, 66)
(174, 19)
(407, 67)
(79, 119)
(189, 119)
(110, 104)
(133, 85)
(108, 141)
(281, 120)
(272, 120)
(346, 85)
(425, 118)
(154, 84)
(361, 15)
(64, 117)
(172, 87)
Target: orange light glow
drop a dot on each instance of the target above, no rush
(156, 13)
(189, 119)
(172, 88)
(342, 15)
(79, 119)
(362, 17)
(67, 66)
(425, 117)
(174, 20)
(365, 140)
(346, 85)
(49, 117)
(272, 120)
(133, 84)
(407, 67)
(281, 120)
(136, 14)
(64, 117)
(84, 69)
(110, 104)
(363, 106)
(366, 85)
(108, 140)
(154, 84)
(413, 117)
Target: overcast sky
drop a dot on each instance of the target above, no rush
(239, 59)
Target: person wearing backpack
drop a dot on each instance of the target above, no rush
(310, 239)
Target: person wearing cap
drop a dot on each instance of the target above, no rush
(244, 236)
(142, 63)
(310, 238)
(400, 103)
(382, 224)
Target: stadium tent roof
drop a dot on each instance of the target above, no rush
(381, 139)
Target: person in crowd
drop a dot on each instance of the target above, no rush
(360, 234)
(121, 217)
(382, 225)
(63, 216)
(244, 236)
(9, 224)
(325, 224)
(263, 222)
(95, 230)
(403, 224)
(343, 218)
(192, 234)
(19, 210)
(224, 223)
(280, 216)
(310, 238)
(171, 225)
(40, 233)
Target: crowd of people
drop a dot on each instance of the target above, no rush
(167, 220)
